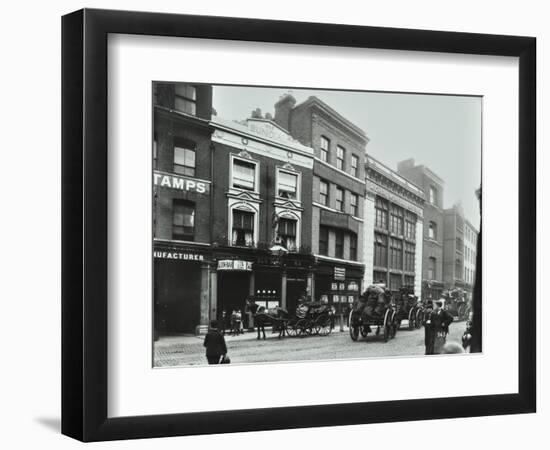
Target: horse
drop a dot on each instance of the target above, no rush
(277, 317)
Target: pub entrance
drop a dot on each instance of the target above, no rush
(233, 288)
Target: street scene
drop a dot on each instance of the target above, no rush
(303, 224)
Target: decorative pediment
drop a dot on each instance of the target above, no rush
(245, 154)
(289, 166)
(288, 204)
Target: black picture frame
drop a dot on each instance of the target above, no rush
(84, 224)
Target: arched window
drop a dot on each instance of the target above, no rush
(432, 230)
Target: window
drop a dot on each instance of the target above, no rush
(185, 99)
(325, 149)
(183, 220)
(458, 269)
(409, 281)
(353, 205)
(396, 254)
(432, 230)
(323, 240)
(410, 226)
(395, 282)
(396, 220)
(380, 250)
(323, 192)
(433, 195)
(353, 246)
(379, 277)
(287, 233)
(339, 246)
(431, 268)
(459, 244)
(288, 185)
(409, 257)
(184, 157)
(243, 228)
(340, 157)
(354, 165)
(339, 199)
(381, 208)
(244, 175)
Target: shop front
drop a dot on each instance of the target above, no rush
(180, 289)
(338, 284)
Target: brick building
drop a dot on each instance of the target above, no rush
(181, 205)
(337, 214)
(453, 248)
(261, 216)
(433, 215)
(393, 229)
(470, 252)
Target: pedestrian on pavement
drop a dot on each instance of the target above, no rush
(441, 320)
(215, 344)
(428, 329)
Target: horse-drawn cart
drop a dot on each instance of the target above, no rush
(408, 307)
(374, 308)
(311, 318)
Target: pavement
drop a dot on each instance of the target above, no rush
(245, 348)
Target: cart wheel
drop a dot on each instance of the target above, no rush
(291, 330)
(387, 325)
(419, 318)
(353, 328)
(412, 317)
(394, 325)
(302, 328)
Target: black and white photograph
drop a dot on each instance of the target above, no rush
(294, 224)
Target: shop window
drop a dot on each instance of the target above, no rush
(380, 250)
(323, 240)
(185, 99)
(325, 149)
(395, 282)
(353, 246)
(379, 277)
(354, 165)
(339, 244)
(339, 199)
(243, 228)
(287, 185)
(340, 157)
(432, 268)
(354, 205)
(183, 220)
(184, 157)
(244, 175)
(381, 210)
(323, 192)
(287, 233)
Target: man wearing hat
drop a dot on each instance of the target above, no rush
(428, 329)
(441, 320)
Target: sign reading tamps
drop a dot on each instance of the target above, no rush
(234, 264)
(181, 183)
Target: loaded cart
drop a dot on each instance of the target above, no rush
(311, 318)
(374, 308)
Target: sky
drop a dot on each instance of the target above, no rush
(442, 132)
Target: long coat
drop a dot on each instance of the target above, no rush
(441, 321)
(429, 335)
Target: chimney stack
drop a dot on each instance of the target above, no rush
(283, 109)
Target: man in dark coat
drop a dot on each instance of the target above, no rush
(441, 320)
(428, 329)
(215, 344)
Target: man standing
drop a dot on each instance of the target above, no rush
(428, 329)
(441, 320)
(215, 344)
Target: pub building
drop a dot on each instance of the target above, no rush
(394, 229)
(337, 199)
(261, 216)
(181, 206)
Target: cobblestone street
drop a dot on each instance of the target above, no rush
(189, 350)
